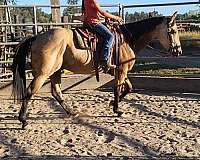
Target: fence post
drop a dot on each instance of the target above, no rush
(123, 15)
(55, 11)
(65, 19)
(35, 19)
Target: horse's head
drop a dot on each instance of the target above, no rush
(168, 35)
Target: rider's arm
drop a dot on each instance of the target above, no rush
(105, 14)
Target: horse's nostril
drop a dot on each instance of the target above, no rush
(176, 53)
(179, 53)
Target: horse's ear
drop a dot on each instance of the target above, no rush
(173, 17)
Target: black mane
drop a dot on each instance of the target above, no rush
(140, 27)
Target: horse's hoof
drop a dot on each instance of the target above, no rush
(24, 124)
(111, 103)
(119, 113)
(75, 114)
(68, 115)
(72, 114)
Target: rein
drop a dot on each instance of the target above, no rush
(172, 43)
(130, 35)
(166, 54)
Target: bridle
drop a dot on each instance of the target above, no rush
(172, 49)
(130, 38)
(170, 32)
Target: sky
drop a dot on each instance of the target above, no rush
(163, 10)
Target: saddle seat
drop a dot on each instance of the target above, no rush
(85, 37)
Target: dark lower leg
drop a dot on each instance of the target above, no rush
(23, 111)
(33, 88)
(116, 100)
(126, 89)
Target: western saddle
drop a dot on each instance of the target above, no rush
(87, 39)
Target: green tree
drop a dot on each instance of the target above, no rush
(71, 10)
(136, 16)
(43, 17)
(4, 10)
(7, 1)
(27, 15)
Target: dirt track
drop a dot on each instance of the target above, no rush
(153, 125)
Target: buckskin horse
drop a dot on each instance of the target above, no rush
(55, 50)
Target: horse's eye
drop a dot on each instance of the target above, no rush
(172, 31)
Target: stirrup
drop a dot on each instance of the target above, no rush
(106, 66)
(110, 65)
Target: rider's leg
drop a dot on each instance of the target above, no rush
(108, 38)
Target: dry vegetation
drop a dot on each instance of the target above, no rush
(153, 68)
(189, 42)
(190, 35)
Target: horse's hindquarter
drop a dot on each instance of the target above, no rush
(47, 51)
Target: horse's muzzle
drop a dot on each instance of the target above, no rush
(176, 51)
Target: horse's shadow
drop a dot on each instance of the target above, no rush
(133, 143)
(8, 146)
(164, 116)
(193, 96)
(110, 135)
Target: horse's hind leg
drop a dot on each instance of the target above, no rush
(23, 110)
(56, 91)
(33, 88)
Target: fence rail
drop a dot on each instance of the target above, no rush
(160, 4)
(5, 59)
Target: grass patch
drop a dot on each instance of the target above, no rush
(189, 35)
(161, 69)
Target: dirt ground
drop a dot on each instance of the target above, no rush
(154, 125)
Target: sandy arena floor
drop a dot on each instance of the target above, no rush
(153, 125)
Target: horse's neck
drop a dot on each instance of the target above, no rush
(143, 41)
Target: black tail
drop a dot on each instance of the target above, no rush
(19, 67)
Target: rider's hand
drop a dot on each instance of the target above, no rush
(119, 19)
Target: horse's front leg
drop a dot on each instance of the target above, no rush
(115, 103)
(126, 89)
(119, 92)
(119, 81)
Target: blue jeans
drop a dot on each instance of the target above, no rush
(108, 39)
